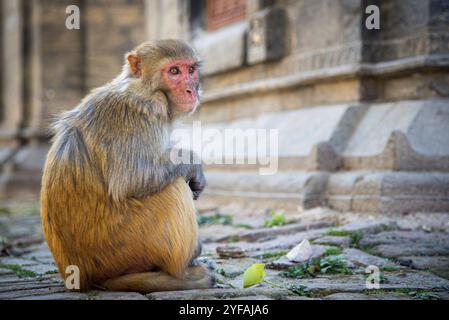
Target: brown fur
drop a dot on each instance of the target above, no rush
(111, 202)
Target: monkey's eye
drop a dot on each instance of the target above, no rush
(174, 70)
(191, 69)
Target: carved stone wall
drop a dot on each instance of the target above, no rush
(362, 114)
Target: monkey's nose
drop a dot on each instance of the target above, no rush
(190, 93)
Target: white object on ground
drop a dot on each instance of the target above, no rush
(302, 252)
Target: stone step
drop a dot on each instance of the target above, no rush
(364, 191)
(404, 135)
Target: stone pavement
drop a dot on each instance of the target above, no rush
(410, 250)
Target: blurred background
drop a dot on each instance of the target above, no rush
(363, 114)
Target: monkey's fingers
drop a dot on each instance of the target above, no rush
(196, 194)
(197, 189)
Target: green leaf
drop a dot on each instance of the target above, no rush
(277, 219)
(254, 275)
(214, 219)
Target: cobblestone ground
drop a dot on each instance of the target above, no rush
(411, 251)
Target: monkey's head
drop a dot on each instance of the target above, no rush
(168, 66)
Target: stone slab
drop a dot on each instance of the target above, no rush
(335, 241)
(361, 296)
(356, 283)
(388, 192)
(261, 233)
(210, 48)
(405, 249)
(91, 295)
(364, 259)
(213, 294)
(411, 137)
(436, 264)
(308, 138)
(298, 188)
(413, 237)
(370, 138)
(284, 242)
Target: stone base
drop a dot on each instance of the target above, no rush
(362, 191)
(389, 191)
(372, 157)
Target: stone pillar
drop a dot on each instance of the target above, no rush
(12, 59)
(27, 163)
(51, 61)
(60, 66)
(167, 19)
(112, 29)
(12, 83)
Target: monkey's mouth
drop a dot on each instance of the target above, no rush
(186, 106)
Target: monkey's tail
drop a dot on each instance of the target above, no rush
(197, 277)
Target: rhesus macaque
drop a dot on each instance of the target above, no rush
(113, 203)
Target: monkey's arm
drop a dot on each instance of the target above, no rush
(192, 170)
(138, 163)
(138, 174)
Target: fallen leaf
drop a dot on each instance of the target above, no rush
(254, 275)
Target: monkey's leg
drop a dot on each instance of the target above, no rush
(196, 278)
(168, 220)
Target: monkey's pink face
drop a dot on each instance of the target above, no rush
(182, 80)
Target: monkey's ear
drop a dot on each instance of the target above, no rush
(135, 63)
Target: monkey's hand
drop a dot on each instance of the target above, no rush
(196, 180)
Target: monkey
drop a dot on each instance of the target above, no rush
(112, 202)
